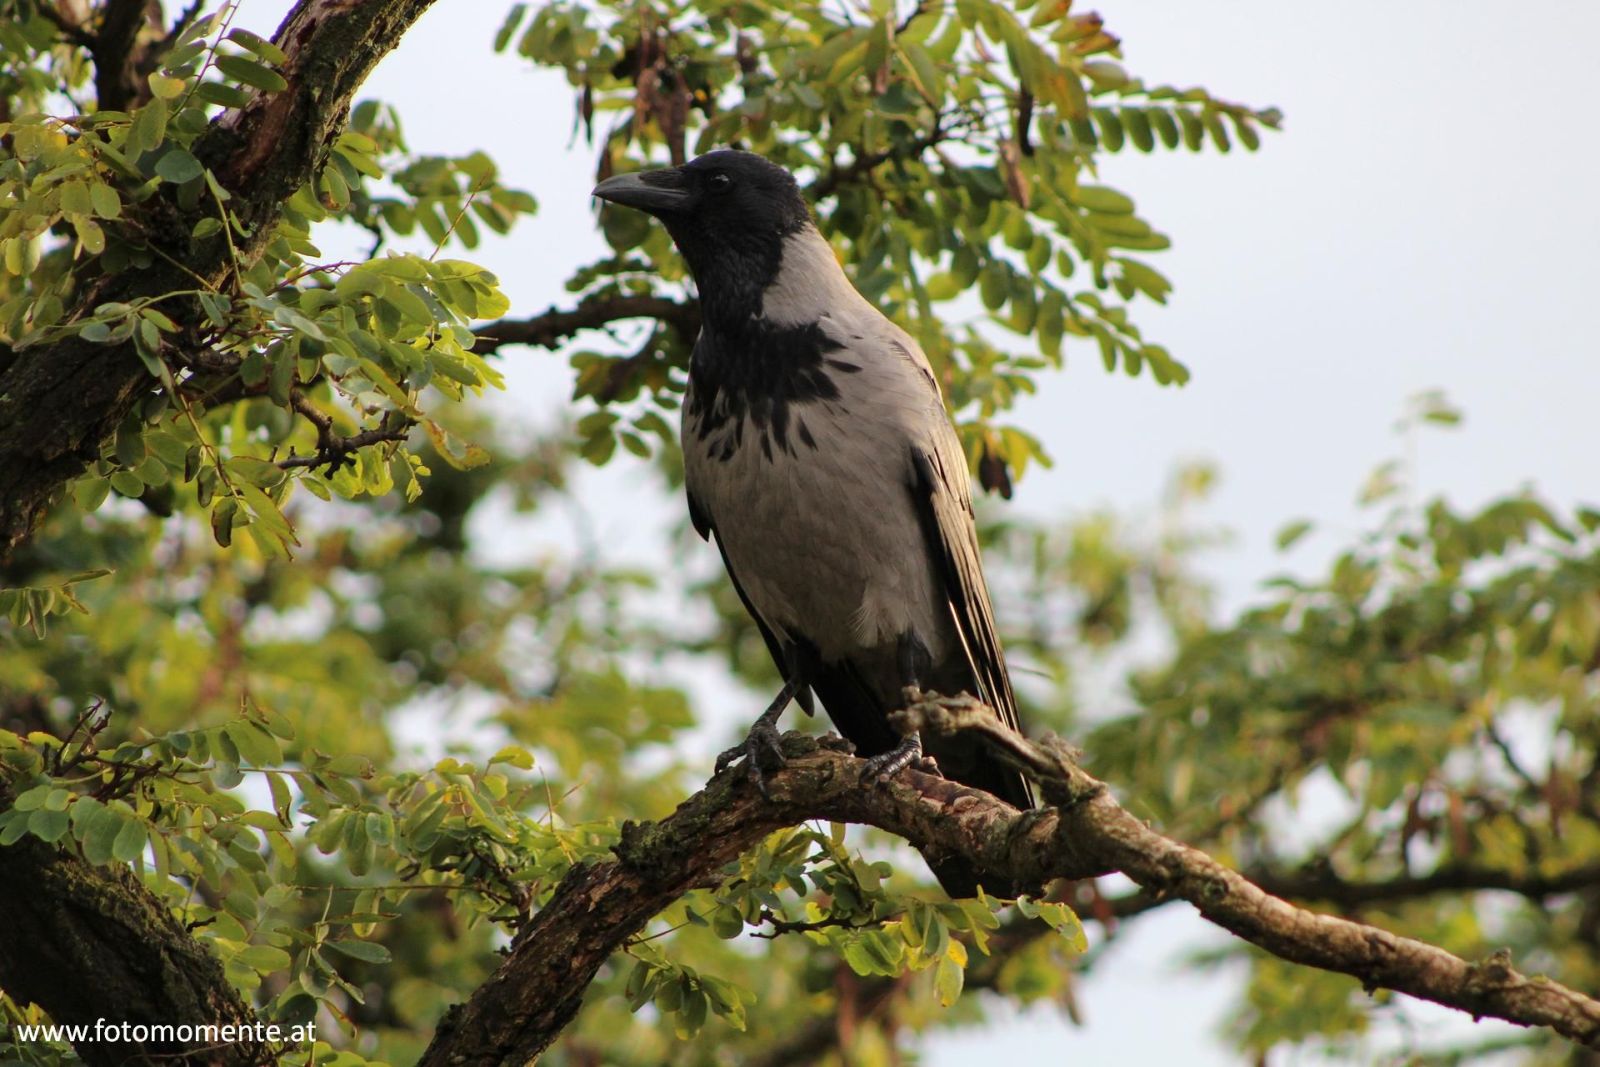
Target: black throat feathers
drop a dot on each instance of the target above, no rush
(746, 367)
(766, 374)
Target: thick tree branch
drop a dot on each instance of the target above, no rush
(60, 400)
(538, 990)
(873, 998)
(1084, 833)
(89, 943)
(1376, 957)
(1325, 885)
(554, 327)
(112, 47)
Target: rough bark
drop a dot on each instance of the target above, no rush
(60, 401)
(89, 943)
(1082, 833)
(538, 990)
(112, 46)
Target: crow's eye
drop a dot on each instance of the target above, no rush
(719, 182)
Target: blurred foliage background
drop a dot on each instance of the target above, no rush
(354, 753)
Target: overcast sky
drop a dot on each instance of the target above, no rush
(1429, 218)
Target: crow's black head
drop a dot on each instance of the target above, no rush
(729, 213)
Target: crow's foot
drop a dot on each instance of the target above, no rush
(763, 744)
(907, 753)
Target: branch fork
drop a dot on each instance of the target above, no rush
(1082, 833)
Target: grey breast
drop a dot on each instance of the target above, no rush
(817, 522)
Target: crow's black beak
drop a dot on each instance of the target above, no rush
(657, 192)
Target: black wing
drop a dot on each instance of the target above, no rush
(703, 527)
(943, 496)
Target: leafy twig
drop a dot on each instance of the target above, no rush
(555, 326)
(334, 451)
(781, 926)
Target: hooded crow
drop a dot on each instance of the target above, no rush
(818, 450)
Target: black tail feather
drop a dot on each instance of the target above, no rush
(862, 718)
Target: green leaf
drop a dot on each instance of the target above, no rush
(923, 71)
(948, 978)
(265, 959)
(1137, 125)
(15, 826)
(1150, 282)
(179, 166)
(1247, 132)
(98, 829)
(994, 284)
(164, 87)
(1193, 131)
(265, 510)
(1165, 126)
(216, 307)
(255, 745)
(1291, 533)
(515, 755)
(509, 26)
(90, 235)
(943, 286)
(90, 493)
(75, 198)
(149, 128)
(298, 321)
(282, 798)
(257, 472)
(459, 454)
(726, 922)
(130, 841)
(220, 93)
(691, 1016)
(128, 484)
(251, 72)
(48, 824)
(366, 951)
(223, 516)
(259, 45)
(1105, 201)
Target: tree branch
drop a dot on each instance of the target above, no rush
(90, 943)
(1325, 885)
(112, 48)
(555, 326)
(1084, 833)
(334, 451)
(60, 400)
(867, 162)
(71, 31)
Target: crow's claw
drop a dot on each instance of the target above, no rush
(763, 744)
(885, 766)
